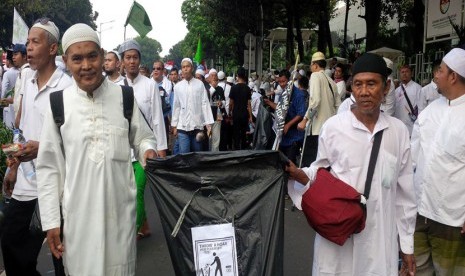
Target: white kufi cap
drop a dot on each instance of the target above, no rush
(79, 33)
(455, 59)
(49, 27)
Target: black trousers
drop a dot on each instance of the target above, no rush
(310, 150)
(240, 127)
(19, 245)
(291, 151)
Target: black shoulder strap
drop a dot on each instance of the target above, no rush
(128, 102)
(372, 164)
(58, 111)
(412, 110)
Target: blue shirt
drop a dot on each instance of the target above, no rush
(298, 107)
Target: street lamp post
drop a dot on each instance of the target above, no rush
(100, 29)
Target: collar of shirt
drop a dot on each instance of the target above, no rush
(460, 100)
(52, 82)
(136, 79)
(381, 124)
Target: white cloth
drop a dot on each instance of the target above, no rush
(322, 99)
(402, 108)
(255, 103)
(345, 144)
(227, 89)
(341, 89)
(428, 94)
(346, 105)
(88, 170)
(438, 151)
(118, 80)
(389, 103)
(35, 103)
(24, 74)
(144, 92)
(8, 83)
(166, 84)
(191, 107)
(79, 32)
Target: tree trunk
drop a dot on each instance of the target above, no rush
(321, 33)
(418, 9)
(327, 28)
(346, 20)
(290, 34)
(372, 18)
(298, 29)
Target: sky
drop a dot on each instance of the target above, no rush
(165, 16)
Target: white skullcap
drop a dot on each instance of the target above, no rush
(188, 60)
(302, 72)
(230, 79)
(389, 63)
(318, 56)
(49, 27)
(455, 59)
(129, 45)
(79, 33)
(221, 75)
(200, 72)
(116, 54)
(213, 70)
(251, 85)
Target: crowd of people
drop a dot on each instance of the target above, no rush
(113, 113)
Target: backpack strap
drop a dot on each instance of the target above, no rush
(58, 111)
(128, 102)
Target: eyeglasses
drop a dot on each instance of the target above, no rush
(43, 20)
(157, 68)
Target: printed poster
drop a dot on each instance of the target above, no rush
(215, 250)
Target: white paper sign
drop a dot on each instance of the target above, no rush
(215, 250)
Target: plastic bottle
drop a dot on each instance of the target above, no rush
(28, 168)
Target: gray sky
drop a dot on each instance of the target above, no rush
(165, 15)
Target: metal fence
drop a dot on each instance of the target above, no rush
(421, 64)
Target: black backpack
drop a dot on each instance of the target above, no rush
(56, 104)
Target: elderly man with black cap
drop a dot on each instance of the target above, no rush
(438, 151)
(345, 145)
(84, 165)
(20, 246)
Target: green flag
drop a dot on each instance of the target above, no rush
(199, 54)
(139, 19)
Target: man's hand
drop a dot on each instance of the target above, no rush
(286, 128)
(301, 126)
(10, 179)
(29, 151)
(296, 173)
(54, 242)
(175, 131)
(408, 265)
(209, 130)
(148, 154)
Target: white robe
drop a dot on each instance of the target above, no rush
(91, 174)
(345, 145)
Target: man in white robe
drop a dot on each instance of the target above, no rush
(85, 166)
(438, 153)
(345, 145)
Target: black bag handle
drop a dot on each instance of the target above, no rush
(372, 164)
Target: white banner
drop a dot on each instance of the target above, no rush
(20, 29)
(215, 250)
(439, 11)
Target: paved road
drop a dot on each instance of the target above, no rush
(153, 257)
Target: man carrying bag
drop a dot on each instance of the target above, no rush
(345, 145)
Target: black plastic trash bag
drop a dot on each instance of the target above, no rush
(252, 185)
(264, 134)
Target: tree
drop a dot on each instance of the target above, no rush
(62, 13)
(150, 49)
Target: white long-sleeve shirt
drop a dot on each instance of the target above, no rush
(438, 150)
(86, 166)
(148, 98)
(191, 107)
(402, 108)
(428, 94)
(35, 103)
(345, 144)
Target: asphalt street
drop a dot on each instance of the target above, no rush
(153, 257)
